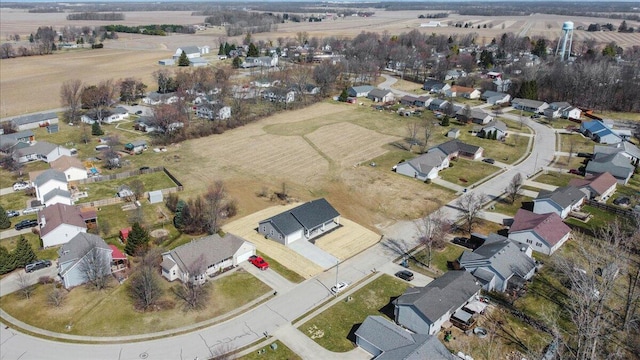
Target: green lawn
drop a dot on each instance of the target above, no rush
(504, 205)
(49, 253)
(285, 272)
(460, 173)
(555, 178)
(580, 143)
(515, 126)
(108, 189)
(559, 123)
(17, 200)
(599, 219)
(573, 163)
(332, 328)
(111, 313)
(439, 258)
(282, 352)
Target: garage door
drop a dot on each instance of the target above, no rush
(244, 253)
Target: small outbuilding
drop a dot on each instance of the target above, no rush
(155, 197)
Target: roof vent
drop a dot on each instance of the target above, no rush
(523, 249)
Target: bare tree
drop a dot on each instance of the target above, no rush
(427, 131)
(25, 287)
(431, 232)
(214, 199)
(191, 290)
(471, 204)
(513, 189)
(7, 51)
(413, 129)
(70, 96)
(95, 266)
(99, 98)
(56, 296)
(144, 287)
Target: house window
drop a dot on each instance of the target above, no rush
(538, 244)
(529, 241)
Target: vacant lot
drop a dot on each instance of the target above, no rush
(110, 312)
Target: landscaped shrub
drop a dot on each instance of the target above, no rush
(427, 181)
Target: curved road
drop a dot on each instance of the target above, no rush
(279, 311)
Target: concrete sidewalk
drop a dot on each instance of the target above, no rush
(539, 185)
(308, 349)
(448, 185)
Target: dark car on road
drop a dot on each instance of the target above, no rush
(37, 265)
(405, 275)
(26, 224)
(489, 161)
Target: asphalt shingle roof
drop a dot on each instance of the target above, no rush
(616, 164)
(48, 175)
(28, 119)
(500, 255)
(548, 226)
(78, 245)
(211, 249)
(564, 196)
(453, 146)
(56, 192)
(425, 162)
(306, 216)
(598, 183)
(58, 214)
(378, 93)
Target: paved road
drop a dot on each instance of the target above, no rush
(280, 311)
(13, 232)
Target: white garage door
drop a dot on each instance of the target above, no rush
(245, 252)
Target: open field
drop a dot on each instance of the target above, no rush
(111, 313)
(348, 240)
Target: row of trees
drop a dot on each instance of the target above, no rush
(22, 255)
(203, 214)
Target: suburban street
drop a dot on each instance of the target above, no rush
(292, 301)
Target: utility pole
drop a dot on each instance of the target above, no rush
(337, 268)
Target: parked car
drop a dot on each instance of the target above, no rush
(26, 224)
(339, 287)
(13, 213)
(37, 265)
(20, 185)
(585, 155)
(29, 211)
(489, 160)
(259, 262)
(144, 168)
(405, 275)
(535, 116)
(622, 201)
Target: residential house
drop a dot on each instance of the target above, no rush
(408, 100)
(494, 97)
(497, 127)
(455, 148)
(10, 140)
(310, 89)
(597, 187)
(59, 223)
(84, 258)
(454, 74)
(72, 167)
(599, 132)
(477, 116)
(499, 264)
(34, 121)
(545, 233)
(207, 256)
(262, 61)
(423, 101)
(306, 221)
(561, 201)
(425, 166)
(388, 341)
(56, 196)
(624, 134)
(107, 116)
(424, 310)
(280, 95)
(625, 148)
(381, 95)
(615, 164)
(213, 111)
(145, 124)
(49, 180)
(463, 92)
(41, 150)
(359, 91)
(135, 147)
(155, 98)
(534, 106)
(438, 104)
(435, 86)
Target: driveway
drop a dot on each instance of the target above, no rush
(269, 277)
(9, 283)
(313, 253)
(6, 191)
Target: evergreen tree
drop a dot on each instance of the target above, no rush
(138, 239)
(446, 121)
(31, 39)
(96, 130)
(253, 51)
(183, 60)
(6, 261)
(236, 62)
(178, 220)
(227, 48)
(221, 50)
(5, 223)
(529, 90)
(343, 95)
(540, 48)
(23, 253)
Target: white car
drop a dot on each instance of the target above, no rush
(29, 211)
(21, 185)
(339, 287)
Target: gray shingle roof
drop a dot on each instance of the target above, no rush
(496, 124)
(564, 196)
(425, 162)
(308, 216)
(625, 146)
(500, 255)
(212, 249)
(378, 93)
(190, 49)
(50, 174)
(488, 94)
(453, 146)
(528, 102)
(615, 164)
(448, 292)
(78, 246)
(58, 214)
(56, 192)
(28, 119)
(41, 148)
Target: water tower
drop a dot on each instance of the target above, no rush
(566, 37)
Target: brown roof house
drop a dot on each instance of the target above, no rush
(544, 233)
(71, 166)
(209, 255)
(59, 223)
(597, 187)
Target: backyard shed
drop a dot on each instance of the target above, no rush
(155, 196)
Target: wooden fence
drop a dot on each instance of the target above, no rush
(609, 208)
